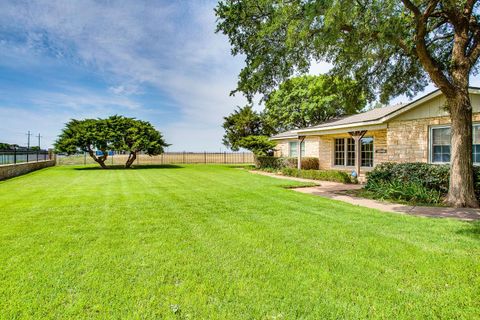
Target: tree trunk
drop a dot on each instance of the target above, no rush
(461, 191)
(131, 159)
(99, 160)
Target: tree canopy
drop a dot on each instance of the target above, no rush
(87, 135)
(243, 122)
(305, 101)
(390, 47)
(115, 133)
(133, 136)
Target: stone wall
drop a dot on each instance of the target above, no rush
(407, 140)
(14, 170)
(311, 147)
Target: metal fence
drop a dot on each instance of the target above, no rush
(13, 156)
(165, 158)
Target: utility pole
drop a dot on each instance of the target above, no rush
(38, 150)
(28, 143)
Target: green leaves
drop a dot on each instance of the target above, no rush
(309, 100)
(372, 42)
(243, 122)
(132, 135)
(259, 145)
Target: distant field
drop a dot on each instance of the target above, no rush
(168, 158)
(216, 242)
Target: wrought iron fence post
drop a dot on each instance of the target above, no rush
(84, 158)
(14, 154)
(225, 157)
(205, 157)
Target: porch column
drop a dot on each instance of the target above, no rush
(299, 152)
(357, 137)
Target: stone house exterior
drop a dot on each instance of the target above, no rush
(415, 132)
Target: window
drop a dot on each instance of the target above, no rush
(339, 152)
(367, 152)
(440, 145)
(344, 153)
(476, 144)
(292, 152)
(350, 152)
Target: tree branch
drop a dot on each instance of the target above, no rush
(430, 7)
(431, 66)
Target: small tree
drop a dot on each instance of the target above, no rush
(309, 100)
(259, 145)
(134, 136)
(86, 135)
(115, 133)
(243, 122)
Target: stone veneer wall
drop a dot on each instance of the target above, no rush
(404, 141)
(408, 140)
(311, 147)
(13, 170)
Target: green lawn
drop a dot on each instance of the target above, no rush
(213, 242)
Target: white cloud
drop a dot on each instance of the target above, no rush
(171, 47)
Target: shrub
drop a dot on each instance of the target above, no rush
(325, 175)
(430, 176)
(267, 162)
(413, 192)
(308, 163)
(387, 179)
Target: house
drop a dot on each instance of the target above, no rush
(415, 132)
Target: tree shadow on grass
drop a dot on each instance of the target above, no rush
(139, 167)
(472, 230)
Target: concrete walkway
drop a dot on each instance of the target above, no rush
(338, 191)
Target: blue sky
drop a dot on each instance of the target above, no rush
(155, 60)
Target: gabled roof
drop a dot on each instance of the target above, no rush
(371, 117)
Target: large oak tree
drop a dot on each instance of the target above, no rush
(390, 47)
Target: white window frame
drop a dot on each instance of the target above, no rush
(290, 149)
(344, 166)
(430, 142)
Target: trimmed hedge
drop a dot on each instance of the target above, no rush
(267, 162)
(387, 180)
(324, 175)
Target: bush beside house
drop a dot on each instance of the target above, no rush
(421, 183)
(288, 167)
(323, 175)
(267, 162)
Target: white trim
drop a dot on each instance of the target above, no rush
(346, 129)
(304, 149)
(345, 154)
(284, 137)
(430, 142)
